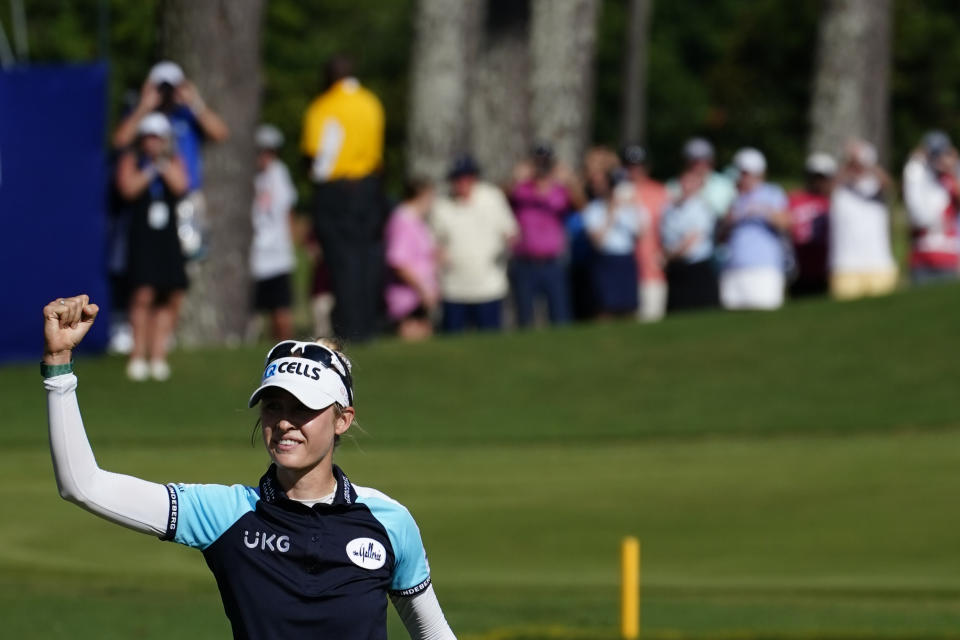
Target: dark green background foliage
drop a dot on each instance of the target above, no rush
(737, 71)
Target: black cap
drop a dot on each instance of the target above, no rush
(543, 156)
(463, 165)
(936, 142)
(542, 150)
(633, 155)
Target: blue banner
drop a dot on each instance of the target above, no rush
(53, 179)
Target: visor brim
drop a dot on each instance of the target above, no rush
(311, 397)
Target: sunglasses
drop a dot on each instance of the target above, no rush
(317, 353)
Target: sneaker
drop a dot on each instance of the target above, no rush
(121, 339)
(138, 370)
(159, 370)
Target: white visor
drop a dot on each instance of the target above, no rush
(316, 386)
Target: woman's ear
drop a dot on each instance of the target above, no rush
(344, 421)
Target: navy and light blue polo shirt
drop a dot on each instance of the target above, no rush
(286, 570)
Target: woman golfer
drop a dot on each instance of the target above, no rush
(306, 553)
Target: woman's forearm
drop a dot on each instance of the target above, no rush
(175, 175)
(131, 181)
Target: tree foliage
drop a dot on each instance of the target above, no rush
(738, 71)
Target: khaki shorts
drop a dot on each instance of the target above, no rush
(849, 285)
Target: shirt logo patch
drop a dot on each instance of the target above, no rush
(366, 553)
(265, 542)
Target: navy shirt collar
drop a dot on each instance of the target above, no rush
(272, 493)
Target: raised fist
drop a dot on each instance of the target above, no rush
(65, 323)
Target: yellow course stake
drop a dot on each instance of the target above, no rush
(630, 588)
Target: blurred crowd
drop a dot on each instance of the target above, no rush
(550, 246)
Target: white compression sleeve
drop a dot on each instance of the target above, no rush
(422, 616)
(132, 502)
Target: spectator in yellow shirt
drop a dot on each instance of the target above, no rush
(343, 143)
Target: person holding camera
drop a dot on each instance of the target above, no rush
(541, 200)
(932, 195)
(753, 275)
(687, 233)
(168, 90)
(151, 179)
(861, 253)
(614, 222)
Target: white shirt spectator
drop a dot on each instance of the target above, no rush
(272, 251)
(925, 197)
(474, 234)
(928, 205)
(860, 229)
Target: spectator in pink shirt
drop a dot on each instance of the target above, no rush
(412, 292)
(653, 197)
(540, 200)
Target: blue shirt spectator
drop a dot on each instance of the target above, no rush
(624, 223)
(168, 91)
(188, 136)
(754, 241)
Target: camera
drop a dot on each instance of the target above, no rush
(166, 91)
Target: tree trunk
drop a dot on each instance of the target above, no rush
(444, 50)
(218, 44)
(634, 109)
(492, 76)
(500, 96)
(851, 83)
(562, 46)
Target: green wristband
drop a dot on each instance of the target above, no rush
(51, 370)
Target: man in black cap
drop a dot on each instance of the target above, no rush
(474, 227)
(541, 200)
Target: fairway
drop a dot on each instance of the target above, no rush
(790, 475)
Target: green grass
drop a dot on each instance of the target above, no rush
(790, 475)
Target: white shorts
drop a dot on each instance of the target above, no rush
(653, 300)
(752, 288)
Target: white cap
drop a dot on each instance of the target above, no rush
(821, 164)
(313, 384)
(268, 137)
(154, 124)
(166, 71)
(750, 160)
(698, 149)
